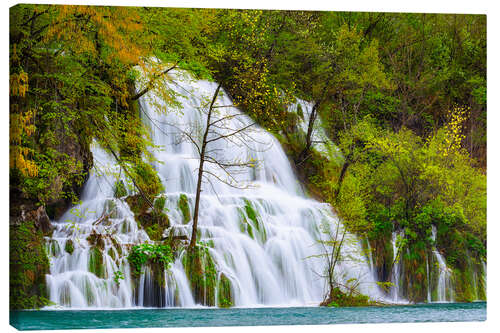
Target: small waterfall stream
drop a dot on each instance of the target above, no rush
(268, 258)
(444, 285)
(397, 270)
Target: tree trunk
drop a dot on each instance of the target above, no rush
(342, 175)
(310, 127)
(192, 243)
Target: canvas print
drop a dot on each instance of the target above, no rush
(175, 167)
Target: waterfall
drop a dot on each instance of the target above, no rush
(444, 287)
(397, 269)
(263, 239)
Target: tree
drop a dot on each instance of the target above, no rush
(340, 290)
(226, 126)
(210, 135)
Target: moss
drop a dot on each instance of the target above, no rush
(250, 211)
(183, 205)
(147, 179)
(300, 113)
(69, 246)
(111, 254)
(338, 298)
(119, 189)
(383, 257)
(96, 262)
(153, 222)
(137, 204)
(202, 275)
(414, 279)
(28, 265)
(159, 204)
(117, 246)
(154, 232)
(250, 222)
(52, 247)
(224, 292)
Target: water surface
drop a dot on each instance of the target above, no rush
(176, 317)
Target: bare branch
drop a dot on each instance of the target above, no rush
(231, 134)
(151, 82)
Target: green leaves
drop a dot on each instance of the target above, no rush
(143, 254)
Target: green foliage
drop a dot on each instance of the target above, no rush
(386, 86)
(338, 298)
(28, 265)
(117, 276)
(144, 254)
(159, 204)
(147, 179)
(119, 189)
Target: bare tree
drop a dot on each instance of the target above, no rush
(333, 254)
(216, 128)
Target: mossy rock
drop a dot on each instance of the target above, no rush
(147, 179)
(338, 298)
(154, 222)
(69, 246)
(96, 262)
(96, 240)
(201, 273)
(53, 248)
(137, 204)
(28, 266)
(251, 224)
(224, 292)
(183, 205)
(414, 279)
(383, 257)
(159, 204)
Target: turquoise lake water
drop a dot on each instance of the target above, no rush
(176, 317)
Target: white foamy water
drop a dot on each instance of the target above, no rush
(269, 261)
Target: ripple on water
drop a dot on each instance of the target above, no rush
(178, 317)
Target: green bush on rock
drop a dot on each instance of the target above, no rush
(144, 254)
(338, 298)
(69, 246)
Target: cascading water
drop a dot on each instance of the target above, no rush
(444, 288)
(263, 239)
(397, 270)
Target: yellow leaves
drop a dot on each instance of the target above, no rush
(454, 130)
(19, 84)
(85, 29)
(19, 160)
(22, 124)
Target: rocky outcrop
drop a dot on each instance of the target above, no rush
(77, 149)
(30, 212)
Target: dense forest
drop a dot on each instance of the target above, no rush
(402, 96)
